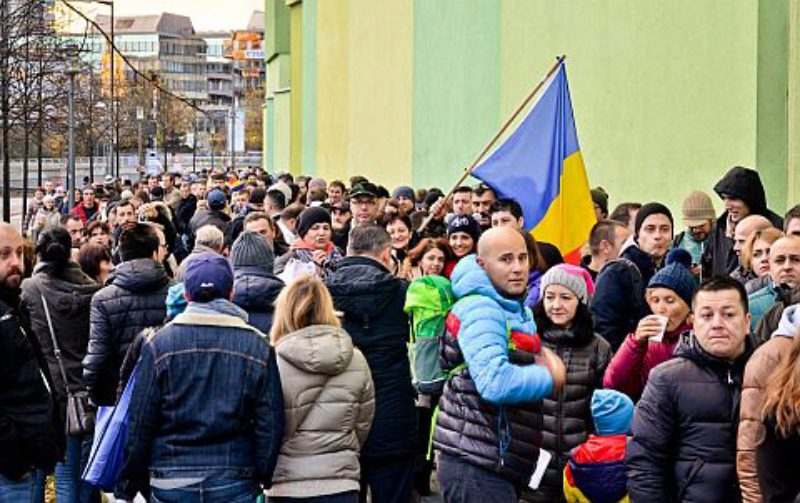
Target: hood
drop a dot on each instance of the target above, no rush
(254, 289)
(470, 279)
(790, 322)
(317, 349)
(744, 184)
(689, 348)
(362, 286)
(69, 290)
(141, 275)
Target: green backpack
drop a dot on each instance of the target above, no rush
(428, 301)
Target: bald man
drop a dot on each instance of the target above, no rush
(29, 440)
(784, 272)
(491, 384)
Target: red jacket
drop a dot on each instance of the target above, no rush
(631, 365)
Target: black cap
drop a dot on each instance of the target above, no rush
(363, 189)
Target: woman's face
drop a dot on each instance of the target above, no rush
(667, 303)
(400, 234)
(319, 235)
(103, 270)
(100, 237)
(560, 305)
(432, 263)
(49, 204)
(759, 258)
(461, 243)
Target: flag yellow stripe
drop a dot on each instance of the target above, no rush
(570, 216)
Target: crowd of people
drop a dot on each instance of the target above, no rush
(262, 322)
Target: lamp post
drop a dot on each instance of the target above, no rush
(73, 69)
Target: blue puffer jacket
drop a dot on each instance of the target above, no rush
(486, 415)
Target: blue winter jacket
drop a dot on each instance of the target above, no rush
(487, 415)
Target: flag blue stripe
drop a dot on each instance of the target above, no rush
(527, 167)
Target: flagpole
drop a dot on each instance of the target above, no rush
(506, 124)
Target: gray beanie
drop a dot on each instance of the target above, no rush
(252, 250)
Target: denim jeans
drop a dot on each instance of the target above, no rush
(208, 491)
(29, 489)
(462, 482)
(69, 486)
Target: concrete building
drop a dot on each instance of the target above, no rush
(165, 44)
(667, 95)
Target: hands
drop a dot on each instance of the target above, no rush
(555, 366)
(649, 326)
(439, 209)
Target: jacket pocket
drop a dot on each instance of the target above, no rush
(690, 476)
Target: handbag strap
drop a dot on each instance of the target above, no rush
(56, 350)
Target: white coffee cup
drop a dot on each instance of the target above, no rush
(663, 320)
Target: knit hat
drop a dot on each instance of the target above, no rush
(697, 209)
(208, 277)
(404, 191)
(176, 301)
(677, 275)
(284, 189)
(612, 412)
(576, 279)
(252, 250)
(311, 216)
(600, 197)
(651, 209)
(464, 223)
(216, 200)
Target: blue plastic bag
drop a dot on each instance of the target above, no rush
(108, 446)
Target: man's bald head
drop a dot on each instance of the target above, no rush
(12, 264)
(503, 254)
(747, 226)
(498, 237)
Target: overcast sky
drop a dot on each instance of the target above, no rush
(205, 14)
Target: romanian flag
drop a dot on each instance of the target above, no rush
(540, 166)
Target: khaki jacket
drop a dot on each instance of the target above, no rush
(329, 403)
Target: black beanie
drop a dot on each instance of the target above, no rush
(464, 223)
(651, 209)
(310, 216)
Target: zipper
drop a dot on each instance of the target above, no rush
(730, 379)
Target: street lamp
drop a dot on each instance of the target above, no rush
(71, 51)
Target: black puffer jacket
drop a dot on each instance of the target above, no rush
(372, 302)
(28, 436)
(133, 300)
(218, 219)
(567, 420)
(618, 302)
(684, 429)
(69, 294)
(744, 184)
(255, 291)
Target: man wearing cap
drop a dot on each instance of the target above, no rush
(743, 194)
(215, 214)
(341, 218)
(406, 199)
(698, 217)
(364, 203)
(619, 302)
(189, 434)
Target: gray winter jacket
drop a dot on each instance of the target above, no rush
(329, 404)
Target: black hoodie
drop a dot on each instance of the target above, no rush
(745, 184)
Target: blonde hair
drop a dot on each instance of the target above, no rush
(304, 302)
(782, 394)
(770, 235)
